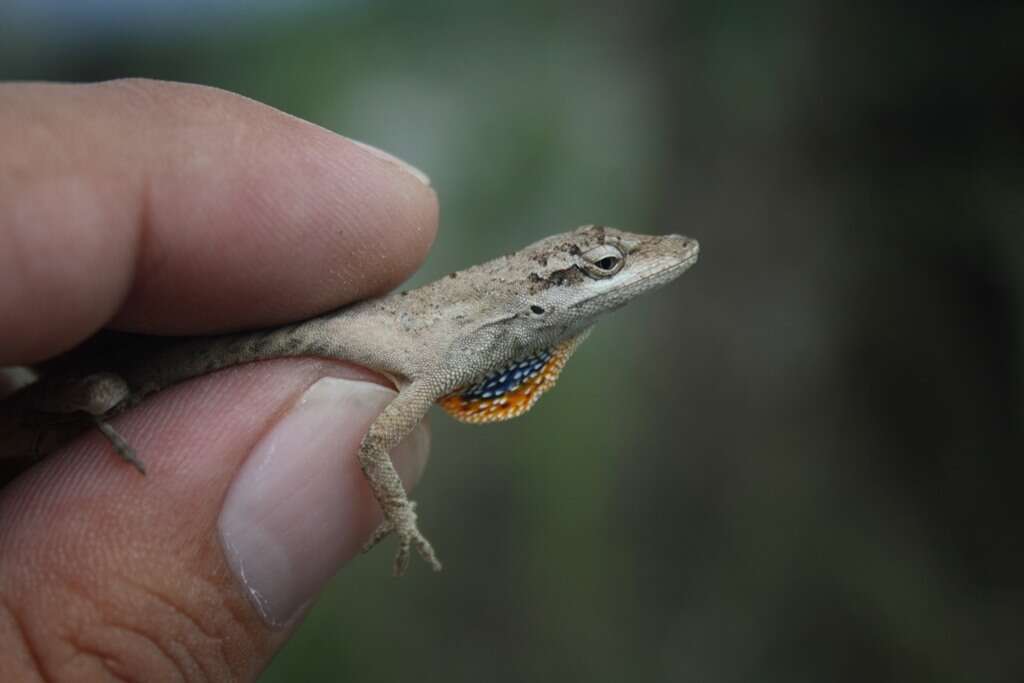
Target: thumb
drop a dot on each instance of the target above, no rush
(253, 499)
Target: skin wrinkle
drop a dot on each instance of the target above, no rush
(23, 638)
(169, 604)
(111, 661)
(106, 663)
(143, 236)
(110, 623)
(181, 654)
(151, 260)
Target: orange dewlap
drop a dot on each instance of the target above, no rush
(511, 390)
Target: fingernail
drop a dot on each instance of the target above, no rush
(404, 165)
(300, 507)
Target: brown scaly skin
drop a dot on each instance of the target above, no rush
(429, 342)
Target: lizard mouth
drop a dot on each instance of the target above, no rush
(691, 258)
(690, 250)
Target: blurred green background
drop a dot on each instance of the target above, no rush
(800, 462)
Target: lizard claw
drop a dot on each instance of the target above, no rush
(409, 536)
(385, 528)
(413, 537)
(382, 531)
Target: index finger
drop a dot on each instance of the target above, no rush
(178, 209)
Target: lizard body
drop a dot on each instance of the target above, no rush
(484, 343)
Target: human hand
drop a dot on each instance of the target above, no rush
(175, 209)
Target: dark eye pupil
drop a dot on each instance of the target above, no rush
(536, 309)
(607, 263)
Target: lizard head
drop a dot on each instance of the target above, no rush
(548, 296)
(572, 278)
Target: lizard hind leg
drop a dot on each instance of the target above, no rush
(98, 396)
(121, 446)
(95, 394)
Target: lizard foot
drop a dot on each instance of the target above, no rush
(124, 450)
(409, 536)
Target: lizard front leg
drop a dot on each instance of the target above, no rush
(391, 426)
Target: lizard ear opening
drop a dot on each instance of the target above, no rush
(536, 310)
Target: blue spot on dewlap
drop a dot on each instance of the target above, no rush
(507, 379)
(510, 390)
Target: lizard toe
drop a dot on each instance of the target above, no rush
(426, 551)
(401, 558)
(382, 531)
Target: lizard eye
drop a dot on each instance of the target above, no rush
(603, 261)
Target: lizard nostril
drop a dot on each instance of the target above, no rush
(689, 243)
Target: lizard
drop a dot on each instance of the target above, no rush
(484, 343)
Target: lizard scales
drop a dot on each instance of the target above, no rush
(484, 343)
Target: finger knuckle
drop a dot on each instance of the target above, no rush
(130, 632)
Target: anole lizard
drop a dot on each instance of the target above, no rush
(484, 343)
